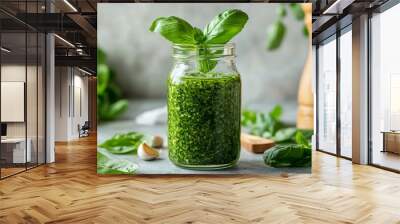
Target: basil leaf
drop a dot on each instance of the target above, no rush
(123, 143)
(281, 11)
(276, 112)
(275, 35)
(285, 135)
(109, 103)
(117, 108)
(288, 155)
(106, 165)
(198, 35)
(301, 140)
(248, 118)
(297, 11)
(101, 57)
(174, 29)
(305, 31)
(103, 78)
(225, 26)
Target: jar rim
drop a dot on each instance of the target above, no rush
(197, 46)
(188, 51)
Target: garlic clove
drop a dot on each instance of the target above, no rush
(145, 152)
(157, 141)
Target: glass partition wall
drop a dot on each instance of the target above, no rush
(22, 107)
(334, 94)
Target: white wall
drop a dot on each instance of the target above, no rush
(71, 93)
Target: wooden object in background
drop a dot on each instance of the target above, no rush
(255, 144)
(305, 113)
(391, 142)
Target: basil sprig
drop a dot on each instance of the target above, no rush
(219, 31)
(123, 143)
(107, 165)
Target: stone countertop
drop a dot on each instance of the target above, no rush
(248, 163)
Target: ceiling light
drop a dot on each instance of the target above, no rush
(337, 7)
(84, 71)
(70, 5)
(64, 40)
(5, 50)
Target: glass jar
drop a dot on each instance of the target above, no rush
(204, 101)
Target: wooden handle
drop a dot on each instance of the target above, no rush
(255, 144)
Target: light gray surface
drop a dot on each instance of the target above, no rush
(143, 59)
(248, 163)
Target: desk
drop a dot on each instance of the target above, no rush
(16, 148)
(391, 141)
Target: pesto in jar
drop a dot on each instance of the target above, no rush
(204, 120)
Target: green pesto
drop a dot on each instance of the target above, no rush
(204, 120)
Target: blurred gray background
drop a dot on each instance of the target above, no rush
(143, 59)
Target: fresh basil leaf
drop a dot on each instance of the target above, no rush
(123, 143)
(275, 35)
(297, 11)
(301, 140)
(307, 133)
(114, 92)
(103, 77)
(305, 30)
(276, 112)
(288, 155)
(281, 11)
(101, 57)
(106, 165)
(174, 29)
(285, 135)
(248, 118)
(267, 135)
(225, 26)
(109, 102)
(198, 35)
(117, 108)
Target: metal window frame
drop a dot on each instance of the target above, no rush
(341, 28)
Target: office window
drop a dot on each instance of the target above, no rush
(385, 89)
(346, 93)
(327, 96)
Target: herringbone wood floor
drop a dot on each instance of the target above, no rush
(70, 191)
